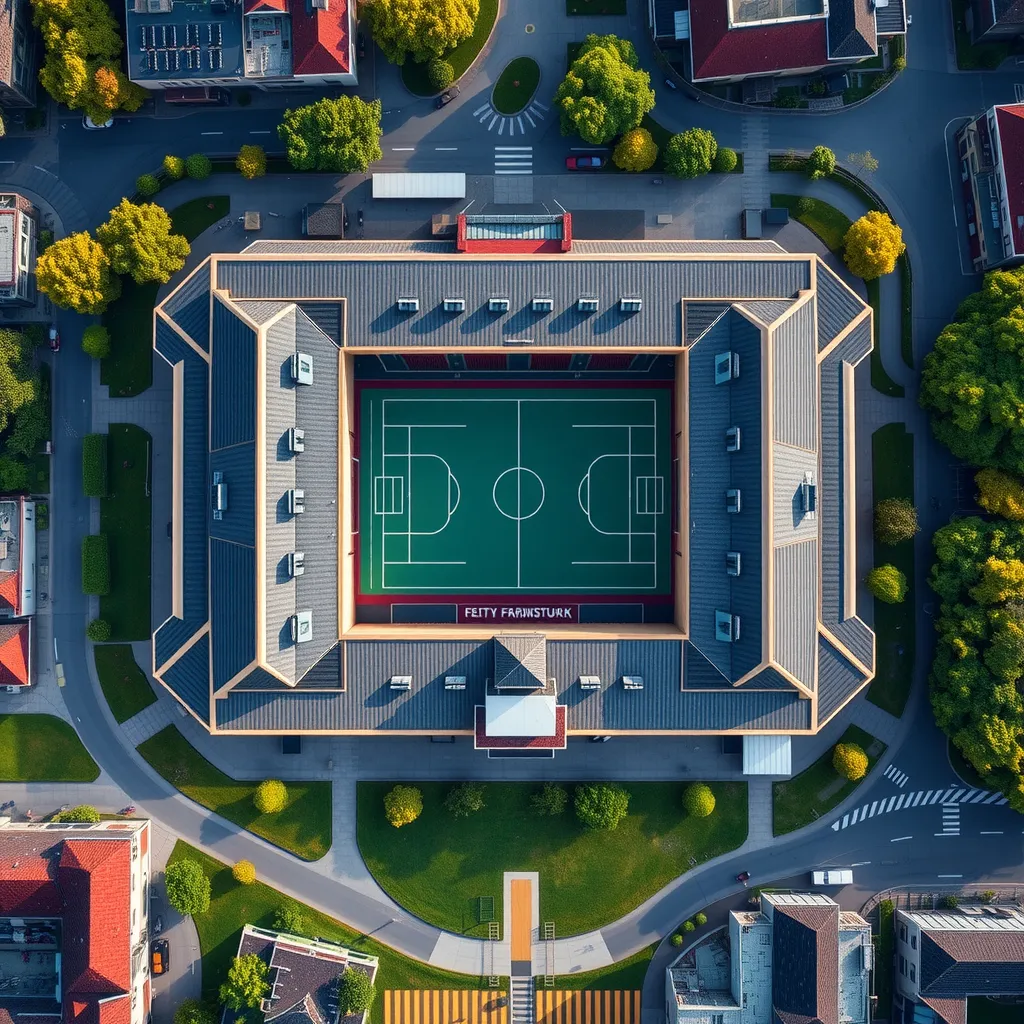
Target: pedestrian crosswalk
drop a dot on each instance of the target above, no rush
(953, 797)
(513, 159)
(950, 820)
(510, 124)
(895, 776)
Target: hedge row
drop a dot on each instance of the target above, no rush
(95, 564)
(94, 465)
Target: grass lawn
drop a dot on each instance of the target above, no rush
(515, 85)
(124, 684)
(982, 1010)
(233, 905)
(42, 748)
(969, 57)
(907, 318)
(626, 975)
(125, 516)
(595, 7)
(302, 828)
(439, 866)
(892, 473)
(816, 790)
(828, 223)
(128, 370)
(414, 75)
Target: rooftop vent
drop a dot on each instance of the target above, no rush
(409, 305)
(630, 304)
(587, 304)
(733, 502)
(496, 305)
(632, 682)
(590, 682)
(727, 627)
(732, 563)
(454, 682)
(296, 500)
(302, 626)
(809, 496)
(454, 305)
(517, 341)
(296, 439)
(302, 368)
(543, 305)
(400, 682)
(219, 496)
(727, 366)
(296, 563)
(732, 439)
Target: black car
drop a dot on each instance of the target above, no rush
(446, 97)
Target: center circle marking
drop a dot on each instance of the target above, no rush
(518, 493)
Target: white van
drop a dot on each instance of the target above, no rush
(833, 876)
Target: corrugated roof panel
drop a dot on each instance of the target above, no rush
(261, 310)
(795, 609)
(857, 637)
(838, 680)
(238, 468)
(233, 611)
(838, 307)
(794, 376)
(233, 380)
(789, 467)
(767, 755)
(768, 679)
(768, 310)
(327, 316)
(189, 306)
(189, 677)
(700, 316)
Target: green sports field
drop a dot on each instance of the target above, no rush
(502, 491)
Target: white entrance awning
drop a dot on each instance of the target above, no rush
(522, 715)
(767, 755)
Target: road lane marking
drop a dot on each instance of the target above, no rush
(403, 149)
(900, 839)
(260, 131)
(211, 133)
(949, 876)
(991, 833)
(446, 149)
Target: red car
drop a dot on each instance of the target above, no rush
(583, 163)
(54, 336)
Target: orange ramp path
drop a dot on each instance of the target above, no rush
(522, 919)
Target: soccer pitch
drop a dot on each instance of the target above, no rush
(506, 491)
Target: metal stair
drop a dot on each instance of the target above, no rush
(522, 1001)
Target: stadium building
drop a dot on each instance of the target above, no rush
(519, 488)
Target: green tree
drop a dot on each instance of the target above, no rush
(13, 475)
(420, 29)
(251, 162)
(31, 425)
(895, 521)
(689, 926)
(887, 583)
(601, 805)
(271, 796)
(290, 918)
(864, 163)
(949, 902)
(700, 919)
(355, 991)
(332, 135)
(75, 273)
(605, 94)
(821, 163)
(194, 1011)
(139, 240)
(465, 799)
(699, 800)
(198, 166)
(725, 160)
(1000, 493)
(174, 167)
(96, 341)
(850, 761)
(440, 74)
(677, 939)
(98, 630)
(19, 386)
(872, 245)
(635, 151)
(147, 185)
(83, 813)
(244, 872)
(247, 983)
(188, 888)
(550, 801)
(403, 805)
(691, 153)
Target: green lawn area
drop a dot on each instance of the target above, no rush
(907, 310)
(124, 684)
(626, 975)
(983, 57)
(816, 790)
(828, 223)
(880, 379)
(982, 1010)
(439, 866)
(128, 370)
(892, 471)
(414, 75)
(595, 7)
(302, 828)
(515, 85)
(233, 905)
(42, 748)
(125, 516)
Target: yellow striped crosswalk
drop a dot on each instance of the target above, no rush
(588, 1007)
(446, 1006)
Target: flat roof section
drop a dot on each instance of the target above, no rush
(753, 12)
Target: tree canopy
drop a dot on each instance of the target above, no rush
(188, 888)
(139, 240)
(355, 991)
(19, 385)
(420, 29)
(605, 94)
(332, 135)
(821, 163)
(1000, 493)
(887, 583)
(271, 796)
(691, 153)
(850, 761)
(193, 1011)
(873, 244)
(895, 521)
(246, 983)
(251, 162)
(76, 274)
(403, 805)
(635, 151)
(601, 805)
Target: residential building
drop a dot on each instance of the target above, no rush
(18, 228)
(277, 625)
(943, 957)
(303, 977)
(17, 589)
(731, 40)
(994, 21)
(991, 153)
(74, 922)
(799, 959)
(19, 49)
(270, 44)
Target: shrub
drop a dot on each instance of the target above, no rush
(690, 153)
(440, 74)
(174, 167)
(689, 926)
(83, 813)
(700, 919)
(251, 162)
(465, 799)
(1000, 493)
(402, 805)
(887, 583)
(895, 521)
(94, 465)
(850, 761)
(551, 800)
(636, 150)
(194, 1011)
(96, 341)
(147, 185)
(290, 919)
(899, 65)
(698, 800)
(271, 796)
(725, 160)
(988, 896)
(95, 565)
(188, 888)
(821, 163)
(198, 166)
(246, 983)
(244, 872)
(355, 991)
(98, 631)
(677, 939)
(872, 245)
(601, 805)
(44, 240)
(949, 902)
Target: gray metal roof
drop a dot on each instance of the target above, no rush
(795, 607)
(520, 662)
(892, 19)
(768, 310)
(699, 316)
(838, 680)
(189, 677)
(232, 608)
(189, 306)
(232, 380)
(838, 307)
(851, 29)
(336, 248)
(789, 522)
(794, 380)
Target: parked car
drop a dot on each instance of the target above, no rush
(54, 336)
(833, 876)
(159, 959)
(583, 163)
(446, 97)
(90, 125)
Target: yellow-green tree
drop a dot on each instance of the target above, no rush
(1000, 493)
(1002, 579)
(138, 240)
(75, 273)
(420, 29)
(251, 162)
(850, 761)
(244, 872)
(873, 245)
(403, 805)
(636, 151)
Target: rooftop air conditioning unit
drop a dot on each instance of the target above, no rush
(587, 304)
(727, 366)
(302, 368)
(455, 305)
(219, 496)
(496, 305)
(320, 5)
(632, 682)
(630, 304)
(454, 682)
(302, 626)
(408, 305)
(727, 627)
(296, 439)
(543, 305)
(732, 439)
(733, 501)
(296, 501)
(401, 682)
(732, 563)
(809, 495)
(296, 563)
(590, 682)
